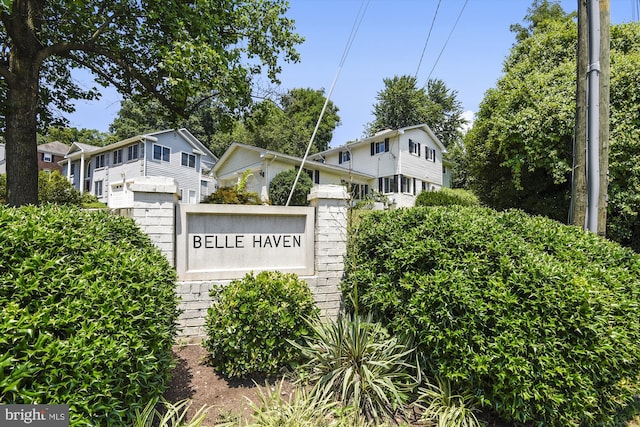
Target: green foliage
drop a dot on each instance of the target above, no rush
(356, 362)
(231, 195)
(69, 135)
(284, 123)
(281, 184)
(519, 151)
(251, 319)
(403, 104)
(52, 188)
(446, 409)
(534, 316)
(55, 188)
(182, 53)
(172, 415)
(447, 197)
(87, 313)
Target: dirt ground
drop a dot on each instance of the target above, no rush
(194, 380)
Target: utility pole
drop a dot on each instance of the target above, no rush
(578, 209)
(605, 73)
(593, 116)
(591, 138)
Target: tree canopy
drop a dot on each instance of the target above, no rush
(401, 103)
(179, 52)
(519, 151)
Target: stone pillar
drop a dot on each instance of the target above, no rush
(331, 204)
(154, 200)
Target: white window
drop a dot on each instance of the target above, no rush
(406, 184)
(380, 147)
(161, 153)
(388, 184)
(97, 188)
(47, 157)
(188, 160)
(414, 147)
(100, 161)
(132, 152)
(344, 157)
(430, 154)
(117, 157)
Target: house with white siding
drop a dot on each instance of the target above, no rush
(263, 165)
(403, 161)
(398, 164)
(107, 172)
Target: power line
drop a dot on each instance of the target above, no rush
(352, 36)
(433, 21)
(447, 41)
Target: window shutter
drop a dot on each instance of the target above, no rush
(373, 149)
(317, 177)
(395, 182)
(339, 157)
(414, 183)
(386, 145)
(380, 185)
(434, 156)
(411, 145)
(419, 152)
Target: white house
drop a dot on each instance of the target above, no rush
(106, 172)
(403, 162)
(264, 165)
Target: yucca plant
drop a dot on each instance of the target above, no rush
(300, 409)
(174, 415)
(444, 408)
(354, 361)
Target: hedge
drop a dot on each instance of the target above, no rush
(88, 313)
(538, 319)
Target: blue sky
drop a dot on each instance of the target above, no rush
(390, 41)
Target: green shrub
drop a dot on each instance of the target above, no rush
(538, 319)
(231, 196)
(88, 312)
(53, 187)
(357, 363)
(447, 197)
(281, 184)
(251, 319)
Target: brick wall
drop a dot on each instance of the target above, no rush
(155, 214)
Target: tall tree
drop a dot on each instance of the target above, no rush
(519, 150)
(69, 135)
(402, 103)
(178, 51)
(285, 124)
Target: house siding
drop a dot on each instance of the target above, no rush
(388, 155)
(115, 174)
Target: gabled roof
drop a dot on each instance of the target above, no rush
(56, 148)
(296, 161)
(199, 148)
(388, 133)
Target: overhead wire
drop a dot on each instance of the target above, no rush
(447, 41)
(433, 21)
(345, 53)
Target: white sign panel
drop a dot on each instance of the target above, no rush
(217, 242)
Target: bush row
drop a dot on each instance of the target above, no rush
(538, 319)
(88, 313)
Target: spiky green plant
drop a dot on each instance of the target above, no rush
(446, 409)
(355, 362)
(173, 415)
